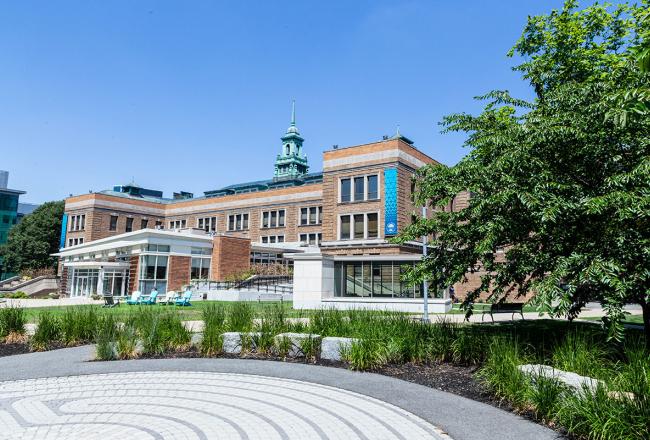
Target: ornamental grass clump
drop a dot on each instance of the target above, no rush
(583, 353)
(12, 324)
(501, 370)
(310, 347)
(161, 332)
(240, 317)
(544, 394)
(365, 354)
(126, 342)
(48, 332)
(214, 322)
(105, 338)
(78, 325)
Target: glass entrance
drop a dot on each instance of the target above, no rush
(84, 282)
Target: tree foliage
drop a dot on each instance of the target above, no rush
(558, 185)
(31, 241)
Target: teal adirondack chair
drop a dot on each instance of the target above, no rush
(135, 298)
(151, 300)
(185, 299)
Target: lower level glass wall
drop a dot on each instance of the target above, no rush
(375, 279)
(115, 282)
(84, 282)
(153, 273)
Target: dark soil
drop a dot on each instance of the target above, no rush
(11, 349)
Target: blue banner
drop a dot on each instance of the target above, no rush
(390, 201)
(64, 228)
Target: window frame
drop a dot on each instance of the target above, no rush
(352, 179)
(238, 223)
(351, 216)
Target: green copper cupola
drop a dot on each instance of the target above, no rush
(291, 162)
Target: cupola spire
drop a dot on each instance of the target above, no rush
(291, 162)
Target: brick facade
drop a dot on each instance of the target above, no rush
(230, 256)
(178, 273)
(133, 273)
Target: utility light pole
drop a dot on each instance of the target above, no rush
(425, 290)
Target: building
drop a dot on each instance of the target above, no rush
(8, 213)
(333, 226)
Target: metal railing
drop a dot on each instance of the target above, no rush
(267, 283)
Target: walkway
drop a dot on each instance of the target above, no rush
(57, 395)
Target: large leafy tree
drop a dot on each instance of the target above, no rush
(560, 187)
(31, 241)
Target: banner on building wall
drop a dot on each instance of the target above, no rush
(390, 201)
(64, 227)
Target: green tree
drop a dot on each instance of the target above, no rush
(561, 188)
(31, 241)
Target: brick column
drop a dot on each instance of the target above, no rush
(178, 274)
(64, 279)
(133, 273)
(230, 256)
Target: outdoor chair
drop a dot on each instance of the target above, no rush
(185, 299)
(109, 302)
(170, 297)
(135, 298)
(151, 300)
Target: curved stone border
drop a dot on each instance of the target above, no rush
(462, 418)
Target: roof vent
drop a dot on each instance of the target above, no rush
(335, 146)
(384, 138)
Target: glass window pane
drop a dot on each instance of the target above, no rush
(245, 222)
(320, 214)
(231, 222)
(303, 216)
(161, 268)
(312, 215)
(358, 226)
(280, 238)
(274, 219)
(345, 227)
(281, 217)
(359, 188)
(345, 190)
(372, 187)
(373, 228)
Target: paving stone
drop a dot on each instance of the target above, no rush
(331, 347)
(192, 405)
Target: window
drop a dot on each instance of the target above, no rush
(159, 224)
(113, 224)
(375, 279)
(311, 215)
(273, 219)
(360, 188)
(177, 224)
(157, 248)
(208, 224)
(200, 269)
(143, 223)
(238, 222)
(272, 239)
(372, 187)
(77, 222)
(345, 190)
(153, 273)
(345, 227)
(129, 224)
(359, 226)
(312, 239)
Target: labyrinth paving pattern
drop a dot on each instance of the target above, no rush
(195, 405)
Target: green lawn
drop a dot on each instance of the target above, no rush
(187, 313)
(629, 319)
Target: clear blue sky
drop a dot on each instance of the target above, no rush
(195, 95)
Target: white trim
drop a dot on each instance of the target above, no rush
(368, 157)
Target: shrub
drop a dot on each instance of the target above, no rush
(47, 332)
(12, 321)
(53, 295)
(18, 295)
(126, 342)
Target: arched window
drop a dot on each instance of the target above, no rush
(288, 149)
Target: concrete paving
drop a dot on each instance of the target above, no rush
(58, 394)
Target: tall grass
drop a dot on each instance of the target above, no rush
(582, 353)
(12, 323)
(104, 337)
(78, 325)
(214, 322)
(240, 317)
(501, 373)
(48, 332)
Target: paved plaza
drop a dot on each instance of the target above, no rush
(61, 395)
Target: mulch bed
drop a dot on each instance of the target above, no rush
(11, 349)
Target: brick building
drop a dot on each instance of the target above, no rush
(333, 226)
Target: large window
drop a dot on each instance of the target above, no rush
(359, 188)
(208, 224)
(113, 224)
(312, 215)
(153, 273)
(177, 224)
(115, 282)
(272, 239)
(143, 223)
(238, 222)
(200, 269)
(273, 219)
(376, 279)
(313, 239)
(84, 282)
(77, 222)
(358, 226)
(129, 224)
